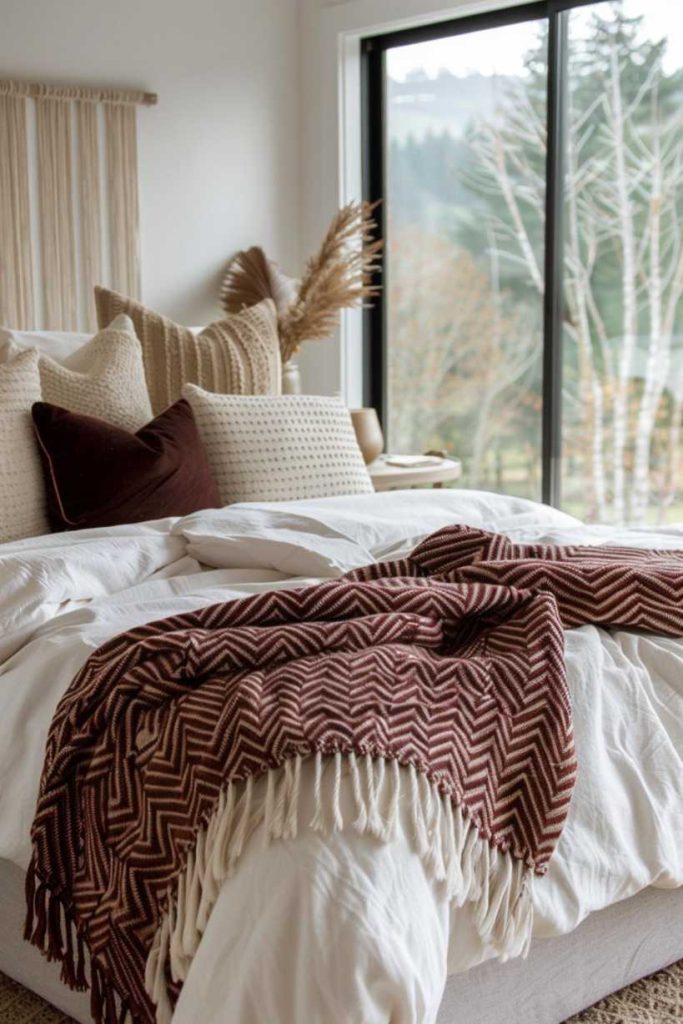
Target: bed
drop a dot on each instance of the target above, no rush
(360, 914)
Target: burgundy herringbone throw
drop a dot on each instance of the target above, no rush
(442, 703)
(598, 585)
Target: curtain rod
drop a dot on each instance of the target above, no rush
(91, 94)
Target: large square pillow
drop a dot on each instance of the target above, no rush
(99, 475)
(279, 448)
(22, 495)
(237, 355)
(104, 378)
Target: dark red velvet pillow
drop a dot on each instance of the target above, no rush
(99, 475)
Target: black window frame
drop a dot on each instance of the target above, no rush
(373, 100)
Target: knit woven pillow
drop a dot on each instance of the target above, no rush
(278, 448)
(22, 495)
(104, 378)
(237, 355)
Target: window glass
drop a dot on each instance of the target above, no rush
(623, 326)
(465, 191)
(465, 138)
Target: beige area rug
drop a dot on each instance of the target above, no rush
(19, 1006)
(655, 1000)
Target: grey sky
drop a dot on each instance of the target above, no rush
(500, 51)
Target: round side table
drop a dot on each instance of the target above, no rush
(386, 477)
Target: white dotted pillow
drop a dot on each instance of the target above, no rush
(278, 448)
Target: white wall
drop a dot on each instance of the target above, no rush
(332, 30)
(219, 156)
(255, 138)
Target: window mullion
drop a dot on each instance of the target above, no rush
(554, 260)
(374, 190)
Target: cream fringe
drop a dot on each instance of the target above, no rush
(16, 259)
(122, 183)
(57, 228)
(471, 870)
(90, 204)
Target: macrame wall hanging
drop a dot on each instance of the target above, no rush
(68, 201)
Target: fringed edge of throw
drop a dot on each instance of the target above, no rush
(51, 928)
(448, 842)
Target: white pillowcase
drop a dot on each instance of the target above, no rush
(105, 378)
(58, 345)
(278, 448)
(22, 494)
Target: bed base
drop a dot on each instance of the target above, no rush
(561, 976)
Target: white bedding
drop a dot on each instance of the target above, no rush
(345, 928)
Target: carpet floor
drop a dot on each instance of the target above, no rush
(654, 1000)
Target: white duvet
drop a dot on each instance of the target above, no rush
(345, 928)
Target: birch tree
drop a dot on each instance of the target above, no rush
(623, 274)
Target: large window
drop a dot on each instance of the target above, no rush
(530, 164)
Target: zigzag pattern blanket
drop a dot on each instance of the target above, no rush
(433, 687)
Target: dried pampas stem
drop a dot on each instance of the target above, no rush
(339, 276)
(247, 281)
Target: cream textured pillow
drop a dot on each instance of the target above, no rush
(237, 355)
(22, 495)
(104, 378)
(278, 448)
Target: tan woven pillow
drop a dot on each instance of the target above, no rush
(22, 494)
(104, 378)
(278, 448)
(238, 355)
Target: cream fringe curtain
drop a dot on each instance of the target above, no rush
(68, 201)
(56, 215)
(123, 198)
(16, 267)
(90, 201)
